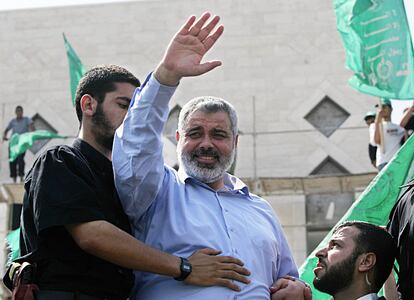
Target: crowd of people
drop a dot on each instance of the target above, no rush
(105, 218)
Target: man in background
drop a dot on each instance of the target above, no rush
(18, 125)
(385, 134)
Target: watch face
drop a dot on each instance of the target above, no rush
(186, 268)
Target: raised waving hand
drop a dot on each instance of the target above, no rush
(186, 50)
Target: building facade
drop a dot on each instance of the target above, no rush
(283, 69)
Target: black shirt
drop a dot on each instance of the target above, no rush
(69, 185)
(401, 227)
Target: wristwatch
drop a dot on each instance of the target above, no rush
(185, 268)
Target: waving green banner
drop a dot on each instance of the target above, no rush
(76, 68)
(378, 46)
(19, 143)
(13, 244)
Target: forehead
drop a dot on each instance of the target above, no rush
(218, 119)
(346, 234)
(124, 89)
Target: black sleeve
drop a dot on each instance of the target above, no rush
(393, 225)
(62, 190)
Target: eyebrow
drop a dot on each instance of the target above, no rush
(219, 130)
(124, 98)
(195, 128)
(338, 241)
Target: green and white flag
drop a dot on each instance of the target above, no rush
(19, 143)
(373, 206)
(378, 46)
(76, 68)
(13, 244)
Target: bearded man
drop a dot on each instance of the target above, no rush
(200, 205)
(356, 262)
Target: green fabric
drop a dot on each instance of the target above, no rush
(76, 68)
(373, 206)
(378, 46)
(19, 143)
(385, 101)
(12, 240)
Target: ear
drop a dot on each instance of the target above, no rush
(88, 105)
(367, 262)
(177, 136)
(236, 141)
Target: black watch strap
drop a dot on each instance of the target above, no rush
(185, 268)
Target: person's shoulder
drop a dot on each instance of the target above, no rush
(392, 125)
(404, 203)
(260, 201)
(59, 154)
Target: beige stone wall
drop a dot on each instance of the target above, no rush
(284, 55)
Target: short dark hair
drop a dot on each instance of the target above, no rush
(375, 239)
(101, 80)
(18, 107)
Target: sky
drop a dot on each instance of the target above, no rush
(24, 4)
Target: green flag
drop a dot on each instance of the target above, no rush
(12, 241)
(76, 68)
(19, 143)
(373, 206)
(378, 46)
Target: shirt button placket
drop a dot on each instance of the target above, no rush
(226, 217)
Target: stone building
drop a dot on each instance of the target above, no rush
(283, 69)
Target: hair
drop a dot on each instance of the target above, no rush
(101, 80)
(18, 107)
(369, 117)
(207, 104)
(375, 239)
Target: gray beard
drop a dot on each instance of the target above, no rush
(202, 173)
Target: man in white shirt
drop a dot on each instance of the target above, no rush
(390, 141)
(356, 262)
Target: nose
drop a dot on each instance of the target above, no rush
(206, 142)
(322, 252)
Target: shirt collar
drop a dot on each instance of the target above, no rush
(371, 296)
(232, 183)
(99, 161)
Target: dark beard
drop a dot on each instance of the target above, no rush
(102, 129)
(337, 277)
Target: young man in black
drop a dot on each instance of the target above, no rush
(73, 227)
